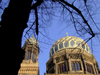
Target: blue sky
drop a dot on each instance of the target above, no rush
(56, 31)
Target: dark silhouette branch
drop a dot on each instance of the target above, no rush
(38, 3)
(80, 13)
(91, 17)
(29, 28)
(36, 16)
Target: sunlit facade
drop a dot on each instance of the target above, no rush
(68, 56)
(71, 55)
(30, 65)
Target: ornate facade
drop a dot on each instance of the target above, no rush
(29, 65)
(68, 56)
(71, 55)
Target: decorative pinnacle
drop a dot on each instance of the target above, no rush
(32, 36)
(66, 33)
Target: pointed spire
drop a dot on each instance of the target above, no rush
(32, 36)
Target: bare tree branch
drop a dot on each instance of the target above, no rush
(78, 11)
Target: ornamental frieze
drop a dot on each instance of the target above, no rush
(61, 58)
(75, 56)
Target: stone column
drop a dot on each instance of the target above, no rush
(31, 54)
(25, 55)
(25, 52)
(67, 63)
(55, 67)
(66, 66)
(93, 69)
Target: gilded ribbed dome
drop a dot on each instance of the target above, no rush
(69, 42)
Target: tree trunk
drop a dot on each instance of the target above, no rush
(14, 21)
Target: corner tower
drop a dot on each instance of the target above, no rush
(29, 65)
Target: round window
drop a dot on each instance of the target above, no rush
(72, 43)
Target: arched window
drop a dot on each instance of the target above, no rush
(76, 66)
(65, 67)
(89, 68)
(62, 68)
(33, 57)
(56, 48)
(52, 51)
(60, 45)
(28, 55)
(66, 44)
(73, 66)
(79, 66)
(72, 43)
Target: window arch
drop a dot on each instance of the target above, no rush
(72, 43)
(62, 67)
(60, 45)
(28, 55)
(66, 44)
(56, 48)
(76, 66)
(52, 51)
(79, 66)
(89, 68)
(73, 66)
(33, 56)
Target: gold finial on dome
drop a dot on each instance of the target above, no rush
(66, 33)
(32, 36)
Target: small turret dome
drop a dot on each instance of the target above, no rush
(31, 40)
(69, 42)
